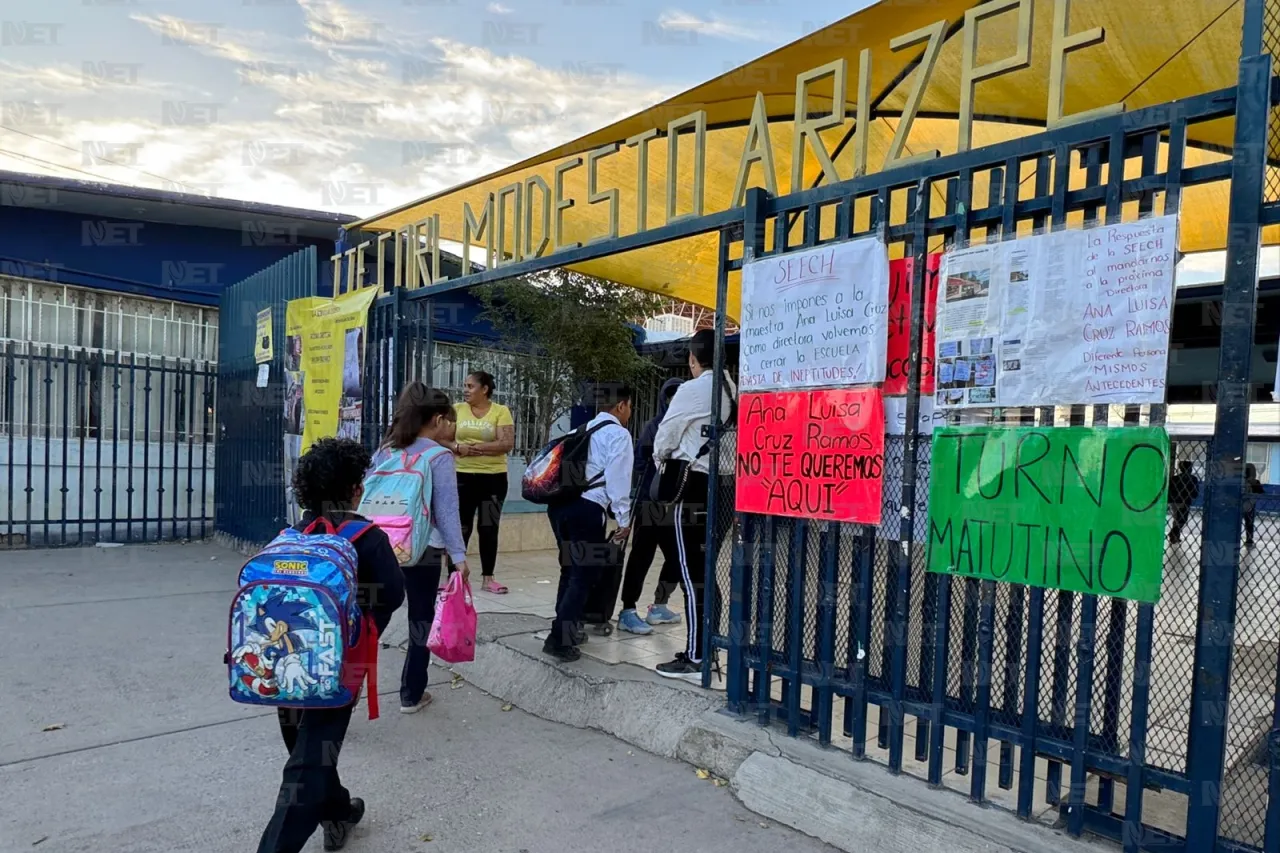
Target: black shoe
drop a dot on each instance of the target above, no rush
(336, 831)
(564, 654)
(682, 668)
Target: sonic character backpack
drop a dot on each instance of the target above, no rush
(559, 472)
(397, 498)
(296, 637)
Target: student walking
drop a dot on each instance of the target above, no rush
(1252, 488)
(579, 522)
(1183, 488)
(486, 434)
(653, 530)
(424, 419)
(683, 481)
(328, 483)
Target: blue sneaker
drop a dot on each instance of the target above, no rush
(660, 614)
(630, 621)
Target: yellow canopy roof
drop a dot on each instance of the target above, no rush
(1154, 52)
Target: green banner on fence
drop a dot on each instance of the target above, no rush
(1074, 508)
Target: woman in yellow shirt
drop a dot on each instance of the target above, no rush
(486, 434)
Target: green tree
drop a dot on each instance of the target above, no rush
(572, 329)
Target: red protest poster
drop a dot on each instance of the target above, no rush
(899, 346)
(812, 454)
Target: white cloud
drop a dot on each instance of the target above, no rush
(713, 26)
(323, 117)
(498, 9)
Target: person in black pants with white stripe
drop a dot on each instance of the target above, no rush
(679, 444)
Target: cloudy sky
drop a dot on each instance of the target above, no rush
(351, 106)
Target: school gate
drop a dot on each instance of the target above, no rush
(1153, 725)
(249, 482)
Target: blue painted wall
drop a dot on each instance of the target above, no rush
(187, 263)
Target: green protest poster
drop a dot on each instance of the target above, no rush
(1073, 508)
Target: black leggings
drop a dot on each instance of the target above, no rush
(483, 494)
(421, 585)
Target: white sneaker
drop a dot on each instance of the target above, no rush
(413, 709)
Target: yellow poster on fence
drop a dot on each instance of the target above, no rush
(323, 373)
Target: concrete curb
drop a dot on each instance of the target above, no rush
(854, 806)
(641, 708)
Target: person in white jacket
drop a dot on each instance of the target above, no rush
(680, 443)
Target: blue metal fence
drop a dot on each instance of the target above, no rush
(249, 494)
(932, 672)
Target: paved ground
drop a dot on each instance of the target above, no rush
(122, 648)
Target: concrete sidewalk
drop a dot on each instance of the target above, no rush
(119, 735)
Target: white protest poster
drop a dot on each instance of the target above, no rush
(1071, 317)
(815, 317)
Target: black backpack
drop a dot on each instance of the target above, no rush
(559, 472)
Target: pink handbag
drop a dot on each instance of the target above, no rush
(453, 631)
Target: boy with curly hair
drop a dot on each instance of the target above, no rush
(328, 483)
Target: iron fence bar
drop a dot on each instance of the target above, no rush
(191, 442)
(115, 444)
(81, 398)
(1114, 673)
(1251, 37)
(10, 422)
(133, 422)
(968, 667)
(66, 436)
(1083, 708)
(210, 391)
(763, 528)
(938, 707)
(427, 356)
(160, 466)
(1220, 552)
(591, 251)
(1030, 703)
(982, 697)
(825, 649)
(146, 443)
(1062, 644)
(183, 386)
(1010, 177)
(860, 602)
(759, 533)
(1134, 781)
(737, 683)
(47, 381)
(796, 559)
(1199, 108)
(881, 211)
(711, 588)
(899, 581)
(179, 390)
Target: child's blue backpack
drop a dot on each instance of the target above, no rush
(297, 638)
(397, 498)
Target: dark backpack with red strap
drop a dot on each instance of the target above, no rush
(297, 637)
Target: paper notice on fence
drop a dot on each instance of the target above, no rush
(815, 318)
(1058, 319)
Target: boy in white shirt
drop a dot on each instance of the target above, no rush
(579, 524)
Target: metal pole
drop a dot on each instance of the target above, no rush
(1220, 552)
(711, 605)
